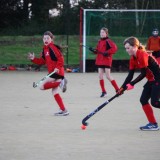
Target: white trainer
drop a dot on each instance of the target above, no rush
(63, 85)
(62, 113)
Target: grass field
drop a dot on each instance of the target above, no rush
(14, 49)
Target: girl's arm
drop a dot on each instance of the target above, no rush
(128, 78)
(127, 81)
(39, 61)
(140, 77)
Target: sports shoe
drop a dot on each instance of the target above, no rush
(150, 127)
(62, 113)
(103, 94)
(63, 85)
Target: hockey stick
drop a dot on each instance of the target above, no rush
(84, 123)
(86, 46)
(35, 84)
(92, 51)
(89, 48)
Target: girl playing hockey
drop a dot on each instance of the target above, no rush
(53, 58)
(149, 68)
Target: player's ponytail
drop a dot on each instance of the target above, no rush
(141, 47)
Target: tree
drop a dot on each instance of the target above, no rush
(9, 12)
(17, 13)
(40, 9)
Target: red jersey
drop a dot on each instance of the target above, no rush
(52, 57)
(153, 43)
(141, 61)
(105, 45)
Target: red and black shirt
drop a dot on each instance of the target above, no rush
(52, 57)
(105, 45)
(148, 66)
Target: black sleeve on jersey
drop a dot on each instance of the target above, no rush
(43, 55)
(140, 77)
(128, 78)
(108, 46)
(52, 54)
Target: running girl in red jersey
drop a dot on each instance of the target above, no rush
(140, 59)
(53, 58)
(104, 50)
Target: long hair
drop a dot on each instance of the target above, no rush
(133, 41)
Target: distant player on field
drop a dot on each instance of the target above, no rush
(104, 50)
(153, 44)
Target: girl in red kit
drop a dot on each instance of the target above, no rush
(149, 68)
(153, 44)
(53, 58)
(104, 50)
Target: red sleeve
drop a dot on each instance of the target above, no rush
(39, 61)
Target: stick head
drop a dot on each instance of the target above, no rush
(84, 125)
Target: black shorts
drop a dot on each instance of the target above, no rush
(56, 76)
(156, 54)
(151, 91)
(103, 66)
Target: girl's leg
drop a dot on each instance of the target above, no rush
(49, 83)
(54, 84)
(58, 99)
(63, 111)
(63, 85)
(149, 113)
(155, 95)
(110, 78)
(101, 81)
(145, 96)
(152, 125)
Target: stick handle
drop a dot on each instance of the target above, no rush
(97, 109)
(36, 84)
(90, 47)
(85, 46)
(51, 74)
